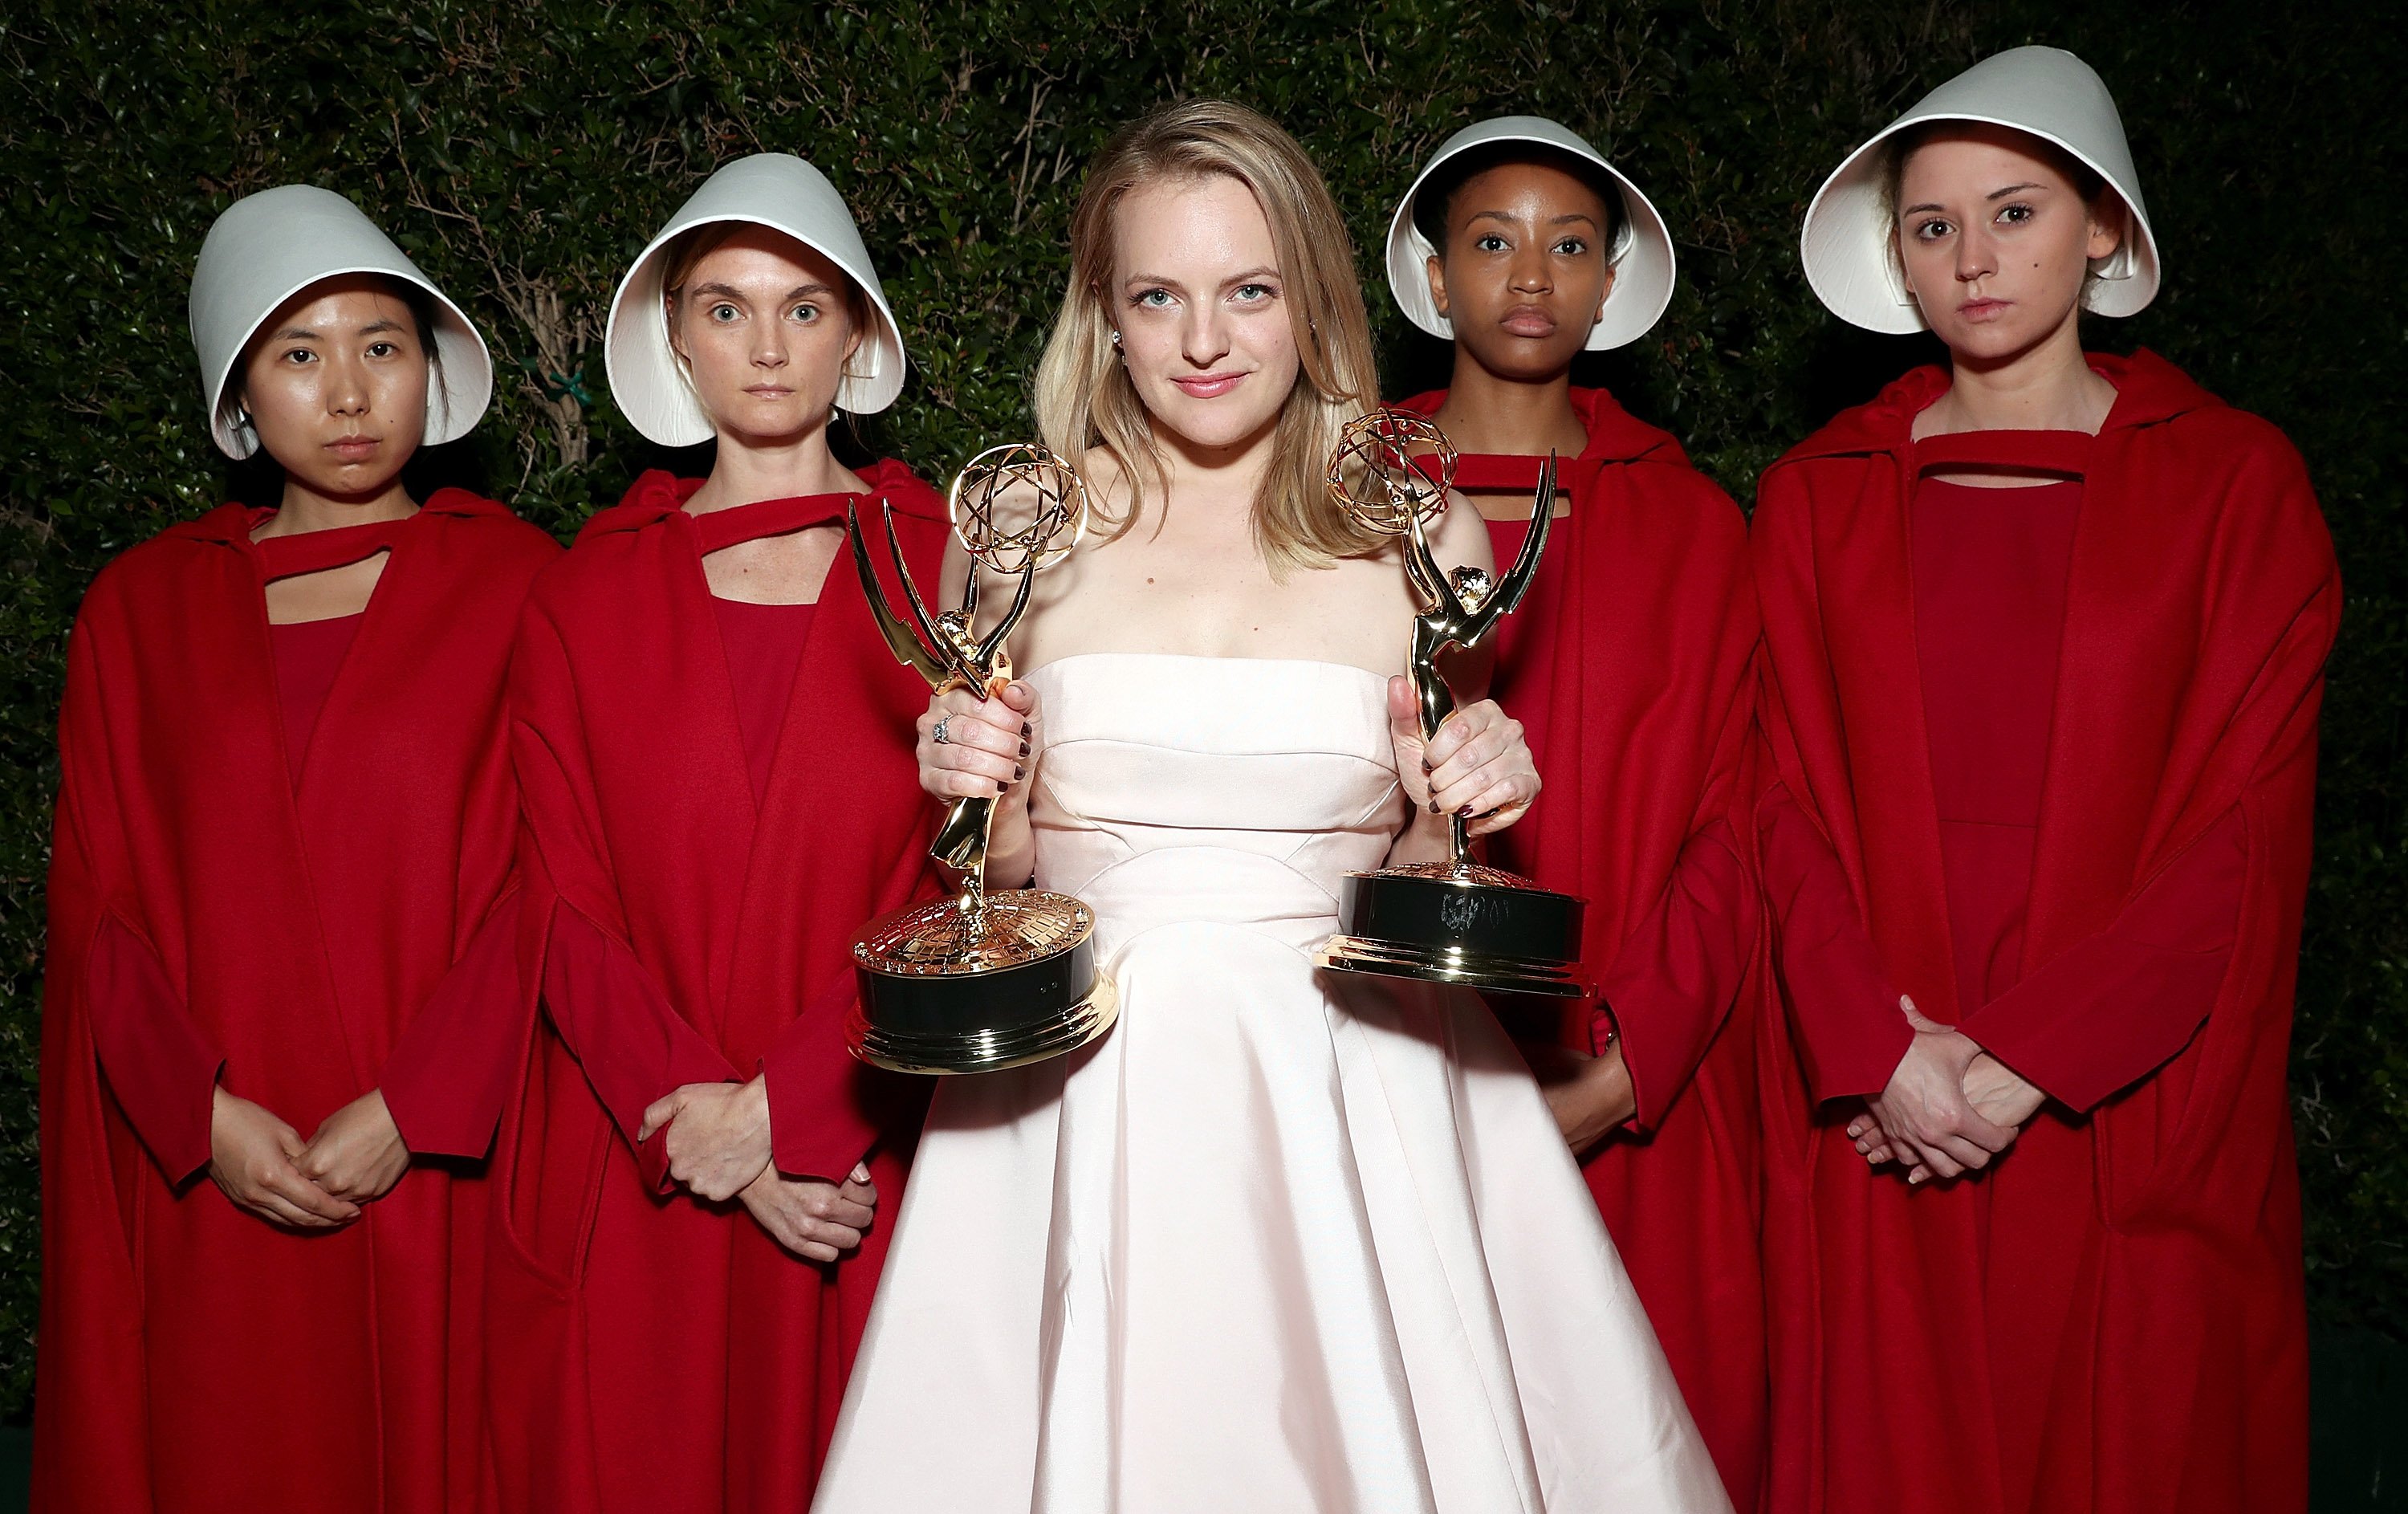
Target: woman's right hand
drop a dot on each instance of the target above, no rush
(254, 1160)
(986, 745)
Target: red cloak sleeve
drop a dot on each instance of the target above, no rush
(2150, 1351)
(1851, 1032)
(2119, 1003)
(450, 1068)
(160, 1066)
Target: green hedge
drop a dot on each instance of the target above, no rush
(524, 152)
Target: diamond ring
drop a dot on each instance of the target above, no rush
(939, 735)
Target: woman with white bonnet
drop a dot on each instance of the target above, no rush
(285, 814)
(716, 749)
(2044, 632)
(1628, 665)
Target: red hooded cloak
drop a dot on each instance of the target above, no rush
(650, 1350)
(2110, 1318)
(223, 910)
(1628, 665)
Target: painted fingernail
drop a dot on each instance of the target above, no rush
(1025, 730)
(1425, 767)
(1019, 770)
(1464, 814)
(1024, 748)
(1433, 806)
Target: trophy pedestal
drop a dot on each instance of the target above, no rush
(1460, 923)
(947, 989)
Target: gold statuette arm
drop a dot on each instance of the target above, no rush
(990, 650)
(908, 648)
(942, 645)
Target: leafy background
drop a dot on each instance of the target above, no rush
(523, 152)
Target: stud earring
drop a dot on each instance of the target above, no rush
(1116, 336)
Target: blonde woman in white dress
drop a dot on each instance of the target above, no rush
(1282, 1241)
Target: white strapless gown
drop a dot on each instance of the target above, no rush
(1284, 1240)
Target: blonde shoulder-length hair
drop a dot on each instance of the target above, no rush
(1084, 400)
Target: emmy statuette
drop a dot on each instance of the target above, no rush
(1458, 921)
(985, 979)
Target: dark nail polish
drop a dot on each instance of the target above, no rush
(1433, 806)
(1025, 729)
(1018, 773)
(1024, 748)
(1464, 814)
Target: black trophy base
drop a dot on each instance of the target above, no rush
(1473, 926)
(945, 993)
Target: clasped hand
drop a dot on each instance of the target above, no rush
(261, 1166)
(716, 1137)
(1949, 1107)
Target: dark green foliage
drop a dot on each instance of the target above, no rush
(524, 152)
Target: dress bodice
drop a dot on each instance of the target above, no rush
(1236, 791)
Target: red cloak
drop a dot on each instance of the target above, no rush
(216, 920)
(2127, 1335)
(1628, 665)
(650, 1350)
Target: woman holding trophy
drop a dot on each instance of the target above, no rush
(1281, 1239)
(2044, 634)
(719, 787)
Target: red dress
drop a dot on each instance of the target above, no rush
(1628, 665)
(274, 844)
(718, 797)
(2042, 759)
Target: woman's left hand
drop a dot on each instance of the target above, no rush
(1478, 765)
(358, 1153)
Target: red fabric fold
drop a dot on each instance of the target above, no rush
(1627, 665)
(808, 1073)
(161, 1066)
(450, 1068)
(1687, 952)
(1848, 1027)
(718, 529)
(633, 1046)
(315, 552)
(665, 1353)
(194, 1356)
(2119, 1004)
(2110, 1317)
